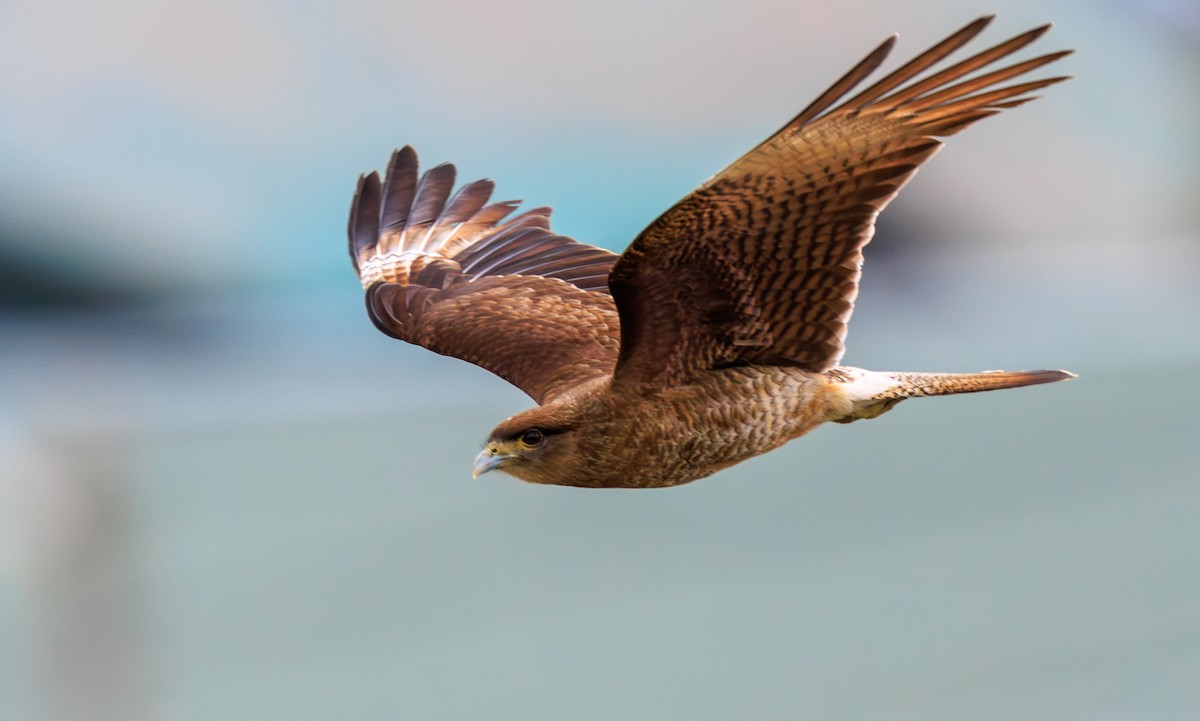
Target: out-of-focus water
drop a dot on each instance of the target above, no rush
(277, 521)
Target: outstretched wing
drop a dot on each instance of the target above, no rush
(512, 297)
(761, 263)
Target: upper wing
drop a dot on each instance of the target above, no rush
(447, 274)
(761, 263)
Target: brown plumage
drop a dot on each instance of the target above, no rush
(714, 337)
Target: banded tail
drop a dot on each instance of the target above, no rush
(873, 393)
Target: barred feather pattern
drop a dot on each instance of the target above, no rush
(411, 231)
(716, 336)
(449, 273)
(761, 264)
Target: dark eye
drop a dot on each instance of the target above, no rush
(532, 437)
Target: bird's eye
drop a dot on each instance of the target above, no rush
(532, 437)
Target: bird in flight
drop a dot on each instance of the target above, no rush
(717, 335)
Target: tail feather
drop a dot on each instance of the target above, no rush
(915, 385)
(871, 393)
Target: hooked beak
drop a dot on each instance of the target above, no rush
(488, 459)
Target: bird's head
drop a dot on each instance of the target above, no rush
(539, 446)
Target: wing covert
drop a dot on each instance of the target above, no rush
(543, 335)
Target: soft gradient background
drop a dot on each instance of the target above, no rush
(224, 495)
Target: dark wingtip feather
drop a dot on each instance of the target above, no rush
(1041, 30)
(977, 25)
(847, 82)
(364, 218)
(432, 193)
(919, 64)
(1060, 54)
(399, 185)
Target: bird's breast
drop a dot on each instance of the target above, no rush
(679, 434)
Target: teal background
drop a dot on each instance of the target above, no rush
(224, 495)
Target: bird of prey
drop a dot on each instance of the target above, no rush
(717, 334)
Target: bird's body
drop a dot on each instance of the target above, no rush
(720, 418)
(717, 335)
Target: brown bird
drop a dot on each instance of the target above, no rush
(715, 336)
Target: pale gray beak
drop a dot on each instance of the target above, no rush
(488, 460)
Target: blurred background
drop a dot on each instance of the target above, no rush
(224, 495)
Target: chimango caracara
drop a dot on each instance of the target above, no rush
(716, 335)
